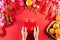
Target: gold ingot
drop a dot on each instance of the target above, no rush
(28, 2)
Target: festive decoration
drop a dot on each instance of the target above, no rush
(12, 7)
(1, 20)
(9, 19)
(2, 24)
(54, 28)
(5, 17)
(8, 15)
(55, 25)
(28, 2)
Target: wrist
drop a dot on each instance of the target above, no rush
(24, 39)
(36, 38)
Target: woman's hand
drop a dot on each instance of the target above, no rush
(36, 32)
(24, 33)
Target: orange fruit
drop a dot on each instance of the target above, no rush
(58, 18)
(52, 30)
(56, 25)
(57, 36)
(57, 31)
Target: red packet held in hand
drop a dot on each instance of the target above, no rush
(30, 25)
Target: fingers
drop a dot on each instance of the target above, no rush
(37, 29)
(36, 32)
(24, 32)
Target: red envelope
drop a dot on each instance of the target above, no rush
(30, 25)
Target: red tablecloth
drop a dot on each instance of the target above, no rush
(14, 32)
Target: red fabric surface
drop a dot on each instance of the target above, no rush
(14, 32)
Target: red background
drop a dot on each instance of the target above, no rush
(14, 32)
